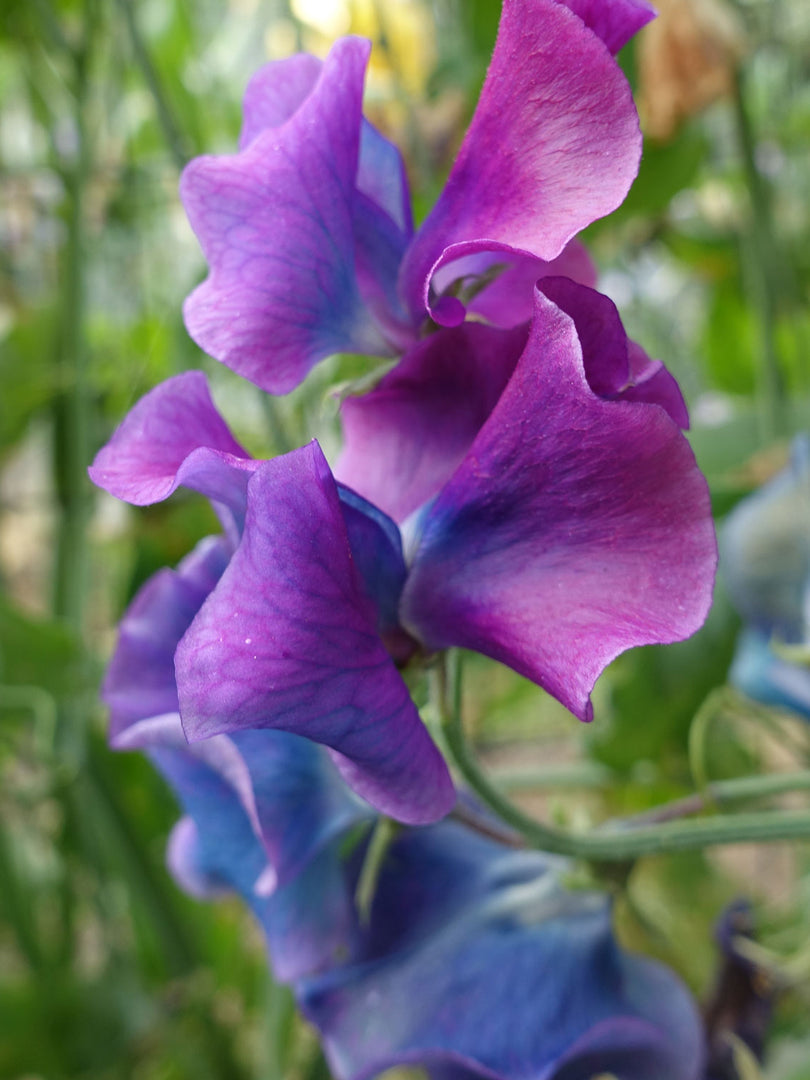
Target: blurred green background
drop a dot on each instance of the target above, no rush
(106, 970)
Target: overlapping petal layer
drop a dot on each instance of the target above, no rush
(265, 809)
(574, 528)
(140, 682)
(285, 787)
(509, 299)
(289, 640)
(404, 440)
(478, 963)
(308, 923)
(615, 367)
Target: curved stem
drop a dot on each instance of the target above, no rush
(617, 841)
(381, 839)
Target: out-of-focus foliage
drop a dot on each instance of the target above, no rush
(106, 971)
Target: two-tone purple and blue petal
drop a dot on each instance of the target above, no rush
(292, 638)
(265, 810)
(553, 512)
(300, 632)
(478, 963)
(307, 229)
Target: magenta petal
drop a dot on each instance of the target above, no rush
(509, 300)
(575, 528)
(554, 145)
(405, 438)
(615, 367)
(653, 383)
(288, 640)
(276, 224)
(614, 21)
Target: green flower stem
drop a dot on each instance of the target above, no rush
(71, 405)
(725, 791)
(765, 266)
(280, 438)
(615, 842)
(382, 837)
(171, 131)
(574, 774)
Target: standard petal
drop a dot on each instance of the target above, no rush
(275, 222)
(140, 679)
(615, 367)
(483, 965)
(574, 529)
(405, 439)
(554, 144)
(614, 21)
(288, 640)
(381, 214)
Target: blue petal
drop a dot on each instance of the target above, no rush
(765, 676)
(479, 963)
(765, 550)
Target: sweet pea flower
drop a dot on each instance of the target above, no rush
(478, 962)
(308, 230)
(264, 810)
(552, 516)
(334, 682)
(766, 569)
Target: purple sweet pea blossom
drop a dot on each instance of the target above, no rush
(477, 962)
(308, 232)
(550, 526)
(309, 594)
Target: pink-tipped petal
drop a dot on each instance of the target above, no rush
(554, 144)
(575, 528)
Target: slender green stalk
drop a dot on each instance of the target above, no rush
(725, 791)
(171, 132)
(279, 436)
(574, 774)
(618, 841)
(18, 911)
(766, 267)
(381, 838)
(280, 1012)
(71, 405)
